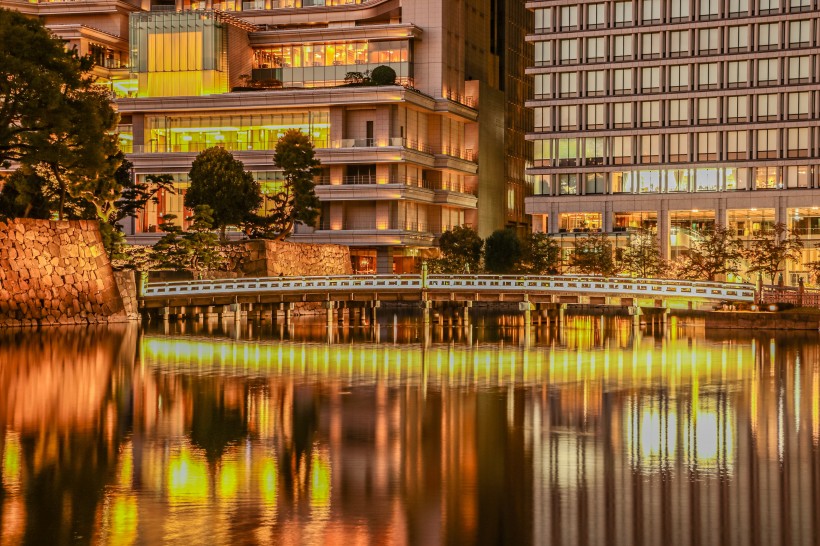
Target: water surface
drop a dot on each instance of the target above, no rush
(262, 434)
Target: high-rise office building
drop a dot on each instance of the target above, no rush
(676, 115)
(400, 163)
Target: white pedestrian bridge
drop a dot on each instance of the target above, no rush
(547, 289)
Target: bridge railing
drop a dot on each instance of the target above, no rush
(614, 286)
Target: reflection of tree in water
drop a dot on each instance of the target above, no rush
(218, 419)
(295, 459)
(59, 393)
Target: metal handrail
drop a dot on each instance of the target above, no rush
(480, 283)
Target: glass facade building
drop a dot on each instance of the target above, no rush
(675, 106)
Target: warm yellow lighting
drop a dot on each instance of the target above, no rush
(12, 459)
(228, 480)
(320, 484)
(122, 518)
(187, 477)
(268, 482)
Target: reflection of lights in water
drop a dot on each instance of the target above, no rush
(12, 459)
(651, 432)
(126, 466)
(320, 475)
(267, 479)
(652, 429)
(228, 480)
(815, 404)
(120, 516)
(187, 477)
(797, 394)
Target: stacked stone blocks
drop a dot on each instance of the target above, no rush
(55, 273)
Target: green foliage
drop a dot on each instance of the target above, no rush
(355, 78)
(136, 194)
(718, 252)
(593, 255)
(502, 252)
(541, 255)
(642, 255)
(296, 200)
(22, 196)
(55, 122)
(202, 244)
(37, 77)
(221, 182)
(383, 75)
(170, 251)
(460, 252)
(771, 249)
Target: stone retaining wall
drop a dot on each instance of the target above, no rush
(264, 258)
(55, 273)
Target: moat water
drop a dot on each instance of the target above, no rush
(261, 434)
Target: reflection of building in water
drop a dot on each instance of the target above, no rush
(59, 433)
(720, 452)
(599, 439)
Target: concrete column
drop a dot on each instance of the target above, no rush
(781, 213)
(374, 307)
(608, 217)
(664, 230)
(329, 310)
(721, 213)
(554, 218)
(384, 260)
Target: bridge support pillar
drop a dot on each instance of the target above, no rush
(288, 310)
(636, 313)
(165, 313)
(562, 315)
(425, 306)
(466, 312)
(374, 307)
(253, 311)
(329, 305)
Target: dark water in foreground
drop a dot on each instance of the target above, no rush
(592, 435)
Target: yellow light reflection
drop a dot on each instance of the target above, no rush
(12, 458)
(187, 477)
(122, 521)
(268, 482)
(229, 480)
(320, 480)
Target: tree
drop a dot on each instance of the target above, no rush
(383, 75)
(502, 252)
(202, 244)
(170, 251)
(37, 77)
(221, 182)
(22, 196)
(718, 252)
(136, 194)
(541, 255)
(460, 251)
(642, 255)
(296, 200)
(767, 253)
(593, 255)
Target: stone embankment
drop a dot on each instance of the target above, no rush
(56, 273)
(263, 258)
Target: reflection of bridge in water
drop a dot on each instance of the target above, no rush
(260, 296)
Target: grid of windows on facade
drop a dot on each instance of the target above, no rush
(677, 180)
(327, 64)
(717, 97)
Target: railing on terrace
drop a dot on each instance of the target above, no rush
(407, 181)
(461, 283)
(799, 297)
(466, 100)
(251, 145)
(373, 225)
(279, 4)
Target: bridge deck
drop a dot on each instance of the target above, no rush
(540, 289)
